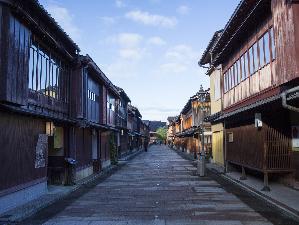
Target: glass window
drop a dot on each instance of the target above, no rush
(273, 50)
(256, 57)
(242, 63)
(267, 47)
(232, 75)
(45, 75)
(50, 72)
(251, 67)
(224, 82)
(239, 70)
(246, 73)
(262, 52)
(55, 68)
(229, 80)
(235, 74)
(31, 66)
(40, 72)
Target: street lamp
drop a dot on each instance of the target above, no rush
(201, 162)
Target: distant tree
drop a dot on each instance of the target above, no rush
(162, 133)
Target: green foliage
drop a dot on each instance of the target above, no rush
(113, 149)
(162, 133)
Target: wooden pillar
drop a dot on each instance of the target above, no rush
(265, 166)
(243, 176)
(266, 182)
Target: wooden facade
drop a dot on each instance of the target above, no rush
(185, 131)
(36, 61)
(55, 105)
(137, 131)
(95, 108)
(215, 75)
(122, 122)
(258, 59)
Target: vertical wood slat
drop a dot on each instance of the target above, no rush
(278, 149)
(14, 49)
(19, 138)
(268, 151)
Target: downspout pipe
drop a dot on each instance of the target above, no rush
(284, 99)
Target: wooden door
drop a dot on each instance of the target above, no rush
(217, 147)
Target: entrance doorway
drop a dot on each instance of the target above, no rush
(56, 155)
(95, 151)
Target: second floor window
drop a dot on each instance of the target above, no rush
(110, 103)
(91, 96)
(272, 38)
(260, 54)
(46, 74)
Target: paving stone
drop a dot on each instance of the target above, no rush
(157, 188)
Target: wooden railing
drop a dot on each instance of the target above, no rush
(267, 150)
(278, 147)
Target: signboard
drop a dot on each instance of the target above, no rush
(258, 120)
(230, 137)
(295, 136)
(292, 95)
(41, 151)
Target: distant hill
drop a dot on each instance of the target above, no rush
(154, 125)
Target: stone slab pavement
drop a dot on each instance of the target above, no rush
(159, 187)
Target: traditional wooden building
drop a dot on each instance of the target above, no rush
(216, 101)
(94, 105)
(258, 55)
(61, 118)
(36, 61)
(144, 133)
(121, 122)
(134, 123)
(190, 125)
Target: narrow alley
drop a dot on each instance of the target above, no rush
(159, 187)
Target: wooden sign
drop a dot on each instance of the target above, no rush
(41, 151)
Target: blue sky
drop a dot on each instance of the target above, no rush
(150, 48)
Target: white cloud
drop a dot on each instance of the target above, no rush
(120, 4)
(173, 67)
(129, 40)
(156, 41)
(65, 20)
(122, 69)
(151, 19)
(183, 10)
(129, 45)
(108, 20)
(131, 54)
(181, 53)
(179, 59)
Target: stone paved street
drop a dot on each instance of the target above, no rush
(157, 187)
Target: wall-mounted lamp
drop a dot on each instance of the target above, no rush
(50, 128)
